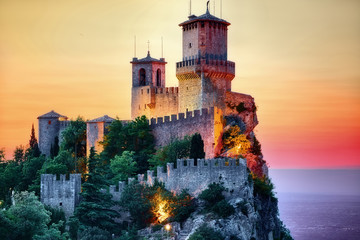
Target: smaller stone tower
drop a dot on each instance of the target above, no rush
(96, 129)
(50, 126)
(60, 192)
(149, 95)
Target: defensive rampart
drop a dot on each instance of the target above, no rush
(206, 122)
(230, 172)
(61, 193)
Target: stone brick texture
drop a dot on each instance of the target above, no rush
(61, 193)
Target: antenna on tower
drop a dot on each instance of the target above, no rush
(190, 9)
(148, 43)
(135, 46)
(220, 8)
(162, 48)
(214, 6)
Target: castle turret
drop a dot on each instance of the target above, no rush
(50, 126)
(149, 95)
(96, 129)
(204, 73)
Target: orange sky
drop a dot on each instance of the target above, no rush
(299, 59)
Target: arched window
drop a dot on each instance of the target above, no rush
(158, 78)
(142, 77)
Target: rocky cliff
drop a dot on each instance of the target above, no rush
(256, 217)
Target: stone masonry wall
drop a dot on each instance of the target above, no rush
(197, 178)
(61, 193)
(178, 126)
(48, 130)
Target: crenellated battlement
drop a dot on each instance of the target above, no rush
(231, 172)
(61, 192)
(188, 116)
(165, 90)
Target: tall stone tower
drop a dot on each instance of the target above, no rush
(50, 126)
(149, 95)
(204, 73)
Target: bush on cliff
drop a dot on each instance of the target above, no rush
(215, 201)
(205, 232)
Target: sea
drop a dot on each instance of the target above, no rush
(319, 204)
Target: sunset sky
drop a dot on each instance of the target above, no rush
(299, 59)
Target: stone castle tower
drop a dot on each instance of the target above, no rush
(51, 125)
(204, 73)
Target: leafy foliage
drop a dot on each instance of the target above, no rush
(143, 203)
(197, 147)
(28, 219)
(123, 166)
(33, 143)
(74, 138)
(177, 149)
(256, 148)
(95, 207)
(215, 201)
(135, 136)
(205, 232)
(263, 187)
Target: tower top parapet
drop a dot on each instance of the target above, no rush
(148, 59)
(205, 17)
(52, 114)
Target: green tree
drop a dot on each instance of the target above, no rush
(74, 138)
(123, 166)
(197, 147)
(177, 149)
(134, 136)
(95, 207)
(135, 198)
(2, 155)
(19, 154)
(34, 150)
(29, 219)
(54, 150)
(30, 171)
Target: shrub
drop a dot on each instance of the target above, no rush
(183, 206)
(223, 209)
(205, 232)
(263, 187)
(212, 194)
(95, 233)
(215, 201)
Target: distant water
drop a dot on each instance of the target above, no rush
(321, 217)
(319, 204)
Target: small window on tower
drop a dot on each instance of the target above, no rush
(49, 122)
(60, 204)
(190, 45)
(202, 24)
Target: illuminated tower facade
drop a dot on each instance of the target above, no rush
(204, 74)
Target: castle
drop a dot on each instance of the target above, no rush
(198, 104)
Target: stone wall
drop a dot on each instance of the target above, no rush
(61, 193)
(167, 129)
(154, 101)
(231, 173)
